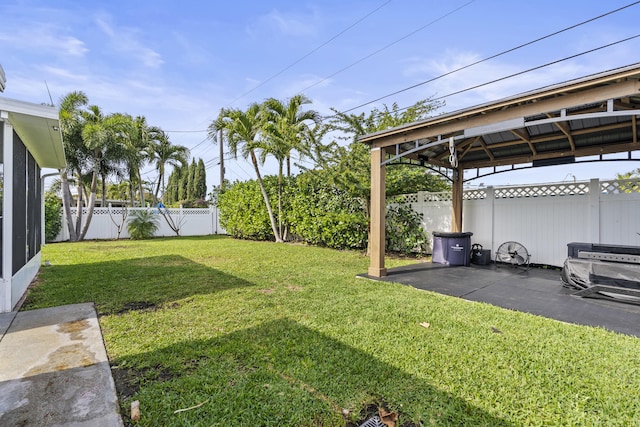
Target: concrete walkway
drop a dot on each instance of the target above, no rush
(54, 369)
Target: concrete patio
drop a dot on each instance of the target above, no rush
(536, 291)
(54, 369)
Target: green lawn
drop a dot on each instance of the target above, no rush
(265, 334)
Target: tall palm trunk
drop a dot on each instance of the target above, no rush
(280, 197)
(66, 204)
(90, 205)
(265, 196)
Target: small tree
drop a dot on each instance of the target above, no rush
(142, 225)
(200, 181)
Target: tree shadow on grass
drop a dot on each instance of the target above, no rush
(124, 285)
(280, 373)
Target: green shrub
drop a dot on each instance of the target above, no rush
(403, 230)
(325, 216)
(243, 213)
(316, 213)
(52, 216)
(142, 224)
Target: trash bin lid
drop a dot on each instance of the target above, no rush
(451, 235)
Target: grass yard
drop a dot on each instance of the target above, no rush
(265, 334)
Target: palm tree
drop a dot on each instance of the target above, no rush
(162, 153)
(71, 124)
(243, 129)
(286, 128)
(134, 135)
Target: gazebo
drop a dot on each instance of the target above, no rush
(30, 140)
(576, 121)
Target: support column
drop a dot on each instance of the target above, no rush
(7, 219)
(378, 205)
(593, 211)
(456, 219)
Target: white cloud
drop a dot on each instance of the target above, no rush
(43, 37)
(469, 86)
(126, 41)
(291, 23)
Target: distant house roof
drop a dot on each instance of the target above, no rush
(39, 129)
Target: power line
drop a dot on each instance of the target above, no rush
(388, 45)
(311, 52)
(535, 68)
(492, 56)
(566, 58)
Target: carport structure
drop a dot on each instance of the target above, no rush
(576, 121)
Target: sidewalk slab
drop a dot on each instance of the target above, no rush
(5, 322)
(54, 370)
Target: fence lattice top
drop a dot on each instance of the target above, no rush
(120, 210)
(546, 190)
(620, 186)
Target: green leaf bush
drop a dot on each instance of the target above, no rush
(315, 213)
(403, 230)
(142, 224)
(242, 211)
(52, 216)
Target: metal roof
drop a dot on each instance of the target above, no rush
(592, 115)
(39, 129)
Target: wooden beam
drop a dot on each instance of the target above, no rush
(378, 205)
(486, 150)
(454, 124)
(520, 133)
(614, 126)
(579, 152)
(564, 128)
(456, 202)
(466, 150)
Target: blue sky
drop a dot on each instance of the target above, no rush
(178, 63)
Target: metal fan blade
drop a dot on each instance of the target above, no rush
(519, 259)
(503, 257)
(511, 247)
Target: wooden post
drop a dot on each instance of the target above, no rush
(378, 205)
(456, 219)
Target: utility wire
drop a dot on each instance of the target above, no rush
(518, 73)
(388, 45)
(311, 52)
(535, 68)
(492, 56)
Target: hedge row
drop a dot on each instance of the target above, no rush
(315, 213)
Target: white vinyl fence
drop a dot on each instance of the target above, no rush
(544, 218)
(108, 221)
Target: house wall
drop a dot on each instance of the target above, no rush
(544, 218)
(21, 219)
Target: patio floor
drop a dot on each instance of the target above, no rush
(536, 291)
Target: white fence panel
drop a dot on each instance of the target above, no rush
(620, 213)
(544, 218)
(106, 221)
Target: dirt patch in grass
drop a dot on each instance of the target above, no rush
(266, 291)
(137, 306)
(129, 381)
(373, 410)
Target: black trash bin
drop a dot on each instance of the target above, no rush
(451, 248)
